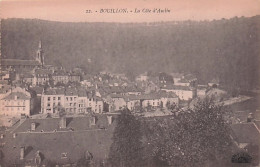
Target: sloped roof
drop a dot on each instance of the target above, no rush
(176, 87)
(16, 62)
(55, 91)
(95, 139)
(19, 95)
(43, 72)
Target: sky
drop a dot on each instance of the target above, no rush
(75, 10)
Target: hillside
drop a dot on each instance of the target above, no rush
(227, 49)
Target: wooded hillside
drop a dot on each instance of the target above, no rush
(227, 49)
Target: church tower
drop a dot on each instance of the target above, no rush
(39, 55)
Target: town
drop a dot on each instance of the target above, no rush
(73, 112)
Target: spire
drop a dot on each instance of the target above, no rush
(40, 44)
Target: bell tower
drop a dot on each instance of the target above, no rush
(39, 54)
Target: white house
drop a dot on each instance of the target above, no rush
(183, 92)
(15, 102)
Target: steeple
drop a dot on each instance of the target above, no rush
(39, 54)
(40, 44)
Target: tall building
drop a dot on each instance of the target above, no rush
(15, 102)
(18, 65)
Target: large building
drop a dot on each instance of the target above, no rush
(15, 102)
(18, 65)
(73, 100)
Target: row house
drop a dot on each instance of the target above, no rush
(60, 77)
(41, 76)
(37, 77)
(52, 100)
(132, 102)
(15, 102)
(73, 100)
(183, 92)
(160, 99)
(73, 77)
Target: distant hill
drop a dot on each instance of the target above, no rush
(224, 49)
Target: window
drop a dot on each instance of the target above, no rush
(49, 98)
(67, 98)
(48, 104)
(71, 99)
(58, 98)
(54, 98)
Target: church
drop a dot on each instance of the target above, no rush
(21, 65)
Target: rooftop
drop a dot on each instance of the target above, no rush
(18, 95)
(95, 139)
(16, 62)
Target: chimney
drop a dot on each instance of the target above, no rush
(2, 136)
(93, 120)
(250, 117)
(22, 153)
(63, 123)
(109, 119)
(33, 126)
(14, 135)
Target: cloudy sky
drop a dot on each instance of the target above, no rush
(74, 10)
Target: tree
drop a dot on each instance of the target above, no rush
(126, 149)
(192, 138)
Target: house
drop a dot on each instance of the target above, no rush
(151, 87)
(74, 77)
(15, 102)
(59, 141)
(115, 102)
(52, 98)
(133, 90)
(165, 78)
(183, 92)
(60, 77)
(132, 102)
(159, 99)
(177, 77)
(182, 82)
(41, 76)
(142, 77)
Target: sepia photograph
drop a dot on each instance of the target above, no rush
(141, 83)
